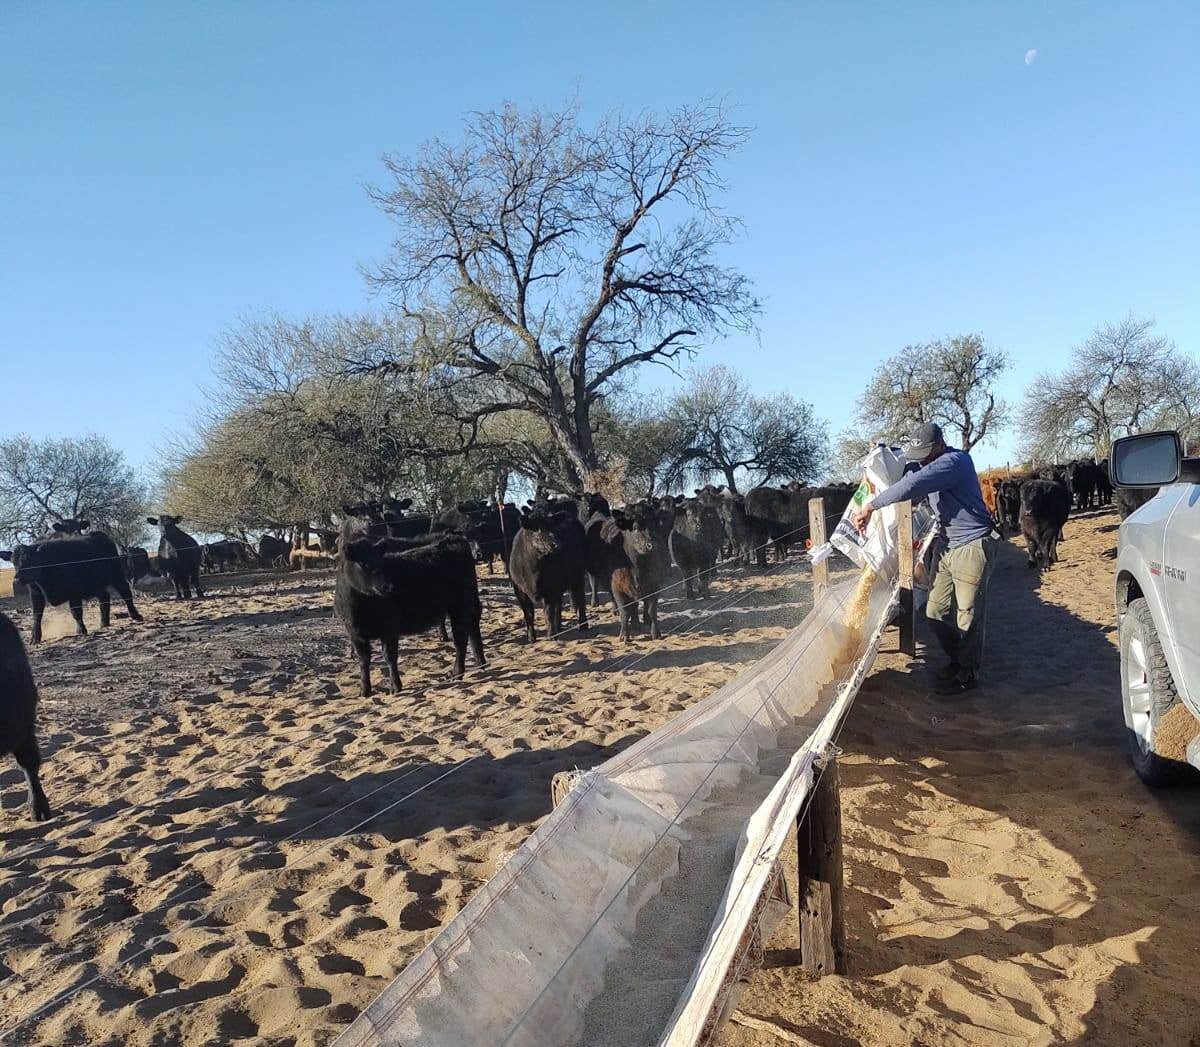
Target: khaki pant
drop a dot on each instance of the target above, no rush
(957, 608)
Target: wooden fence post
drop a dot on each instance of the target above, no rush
(816, 534)
(819, 858)
(908, 614)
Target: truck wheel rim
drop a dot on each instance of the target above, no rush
(1137, 685)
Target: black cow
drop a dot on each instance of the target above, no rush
(1082, 475)
(1045, 507)
(779, 514)
(65, 528)
(179, 554)
(388, 588)
(222, 555)
(1129, 499)
(136, 563)
(741, 533)
(272, 551)
(70, 569)
(491, 528)
(548, 558)
(644, 533)
(695, 544)
(1059, 473)
(1104, 488)
(18, 715)
(1008, 504)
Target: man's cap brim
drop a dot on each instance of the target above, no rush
(918, 452)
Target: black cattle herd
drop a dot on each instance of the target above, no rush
(1038, 506)
(400, 572)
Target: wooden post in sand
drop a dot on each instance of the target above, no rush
(908, 612)
(819, 858)
(816, 534)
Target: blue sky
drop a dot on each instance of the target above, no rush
(167, 166)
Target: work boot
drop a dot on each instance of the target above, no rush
(957, 685)
(948, 672)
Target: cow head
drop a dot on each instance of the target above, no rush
(19, 557)
(595, 503)
(71, 526)
(363, 560)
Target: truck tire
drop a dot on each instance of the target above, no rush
(1147, 694)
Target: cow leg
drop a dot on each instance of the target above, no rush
(579, 598)
(77, 613)
(126, 594)
(594, 585)
(391, 654)
(442, 634)
(29, 758)
(196, 583)
(527, 613)
(38, 601)
(554, 615)
(625, 611)
(459, 629)
(363, 649)
(476, 638)
(650, 607)
(105, 602)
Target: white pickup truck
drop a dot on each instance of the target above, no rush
(1158, 600)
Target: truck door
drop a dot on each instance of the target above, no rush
(1181, 586)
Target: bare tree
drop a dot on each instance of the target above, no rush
(1125, 378)
(552, 259)
(849, 450)
(294, 427)
(44, 481)
(726, 431)
(948, 381)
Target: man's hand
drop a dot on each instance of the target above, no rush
(861, 517)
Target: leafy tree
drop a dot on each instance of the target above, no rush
(44, 481)
(948, 381)
(726, 431)
(1123, 379)
(550, 259)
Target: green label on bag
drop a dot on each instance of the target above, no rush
(862, 494)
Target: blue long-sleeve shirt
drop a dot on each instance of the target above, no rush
(952, 486)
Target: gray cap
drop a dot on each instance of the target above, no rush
(919, 444)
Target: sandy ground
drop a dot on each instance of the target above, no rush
(1009, 879)
(246, 850)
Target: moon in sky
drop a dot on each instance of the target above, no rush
(1031, 56)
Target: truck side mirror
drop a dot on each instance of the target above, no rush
(1146, 460)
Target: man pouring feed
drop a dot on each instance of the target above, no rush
(956, 607)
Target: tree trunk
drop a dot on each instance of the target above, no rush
(578, 449)
(730, 482)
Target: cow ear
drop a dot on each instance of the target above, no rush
(58, 527)
(84, 524)
(152, 520)
(6, 554)
(405, 503)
